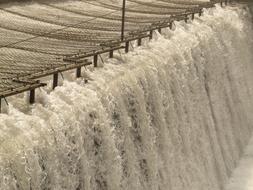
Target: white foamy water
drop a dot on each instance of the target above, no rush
(174, 114)
(242, 178)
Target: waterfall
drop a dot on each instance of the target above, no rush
(174, 114)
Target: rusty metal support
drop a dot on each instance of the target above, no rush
(55, 80)
(78, 72)
(95, 61)
(111, 54)
(32, 96)
(139, 42)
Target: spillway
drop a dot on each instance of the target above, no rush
(175, 114)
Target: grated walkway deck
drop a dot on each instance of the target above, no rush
(46, 37)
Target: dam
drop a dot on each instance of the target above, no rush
(175, 113)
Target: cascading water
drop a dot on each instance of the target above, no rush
(174, 114)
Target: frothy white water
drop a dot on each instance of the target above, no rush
(174, 114)
(242, 178)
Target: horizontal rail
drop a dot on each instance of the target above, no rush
(58, 70)
(21, 89)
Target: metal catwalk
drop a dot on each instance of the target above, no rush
(48, 37)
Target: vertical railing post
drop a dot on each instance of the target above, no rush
(139, 42)
(193, 16)
(186, 18)
(32, 96)
(200, 12)
(55, 80)
(127, 47)
(111, 54)
(78, 72)
(171, 25)
(95, 60)
(151, 34)
(123, 20)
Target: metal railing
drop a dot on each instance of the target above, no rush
(36, 52)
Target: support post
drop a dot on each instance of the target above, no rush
(186, 19)
(55, 80)
(127, 47)
(151, 34)
(0, 105)
(78, 72)
(111, 54)
(95, 60)
(200, 12)
(171, 25)
(32, 96)
(193, 15)
(123, 20)
(160, 30)
(139, 42)
(221, 3)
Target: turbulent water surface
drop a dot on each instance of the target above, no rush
(174, 114)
